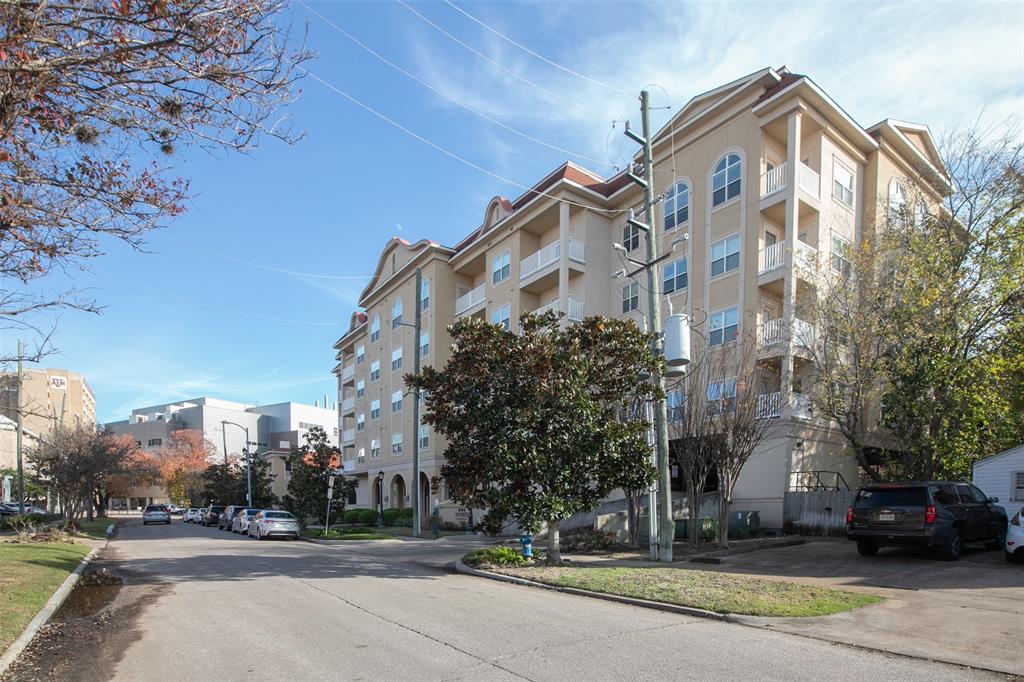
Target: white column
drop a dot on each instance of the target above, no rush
(792, 227)
(563, 260)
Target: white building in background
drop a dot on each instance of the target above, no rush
(1002, 476)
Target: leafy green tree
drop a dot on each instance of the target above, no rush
(312, 466)
(34, 488)
(223, 485)
(263, 496)
(531, 418)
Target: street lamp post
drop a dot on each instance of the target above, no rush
(248, 460)
(380, 499)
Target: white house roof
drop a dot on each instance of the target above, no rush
(1019, 450)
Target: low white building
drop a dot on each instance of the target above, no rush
(1002, 476)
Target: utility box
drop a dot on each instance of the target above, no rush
(677, 340)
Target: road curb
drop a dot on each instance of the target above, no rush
(55, 601)
(334, 543)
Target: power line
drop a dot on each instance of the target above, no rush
(500, 66)
(440, 93)
(538, 56)
(451, 154)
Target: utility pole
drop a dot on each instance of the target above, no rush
(417, 320)
(666, 524)
(21, 428)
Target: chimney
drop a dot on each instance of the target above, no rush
(325, 400)
(316, 403)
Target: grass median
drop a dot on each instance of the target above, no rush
(346, 534)
(708, 590)
(31, 573)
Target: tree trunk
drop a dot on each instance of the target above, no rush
(723, 522)
(694, 522)
(633, 517)
(554, 542)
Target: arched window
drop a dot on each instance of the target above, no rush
(897, 201)
(921, 214)
(677, 205)
(726, 182)
(375, 328)
(396, 313)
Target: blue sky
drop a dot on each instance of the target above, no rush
(181, 321)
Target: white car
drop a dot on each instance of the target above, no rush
(1015, 538)
(273, 523)
(191, 515)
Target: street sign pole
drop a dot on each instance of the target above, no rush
(330, 496)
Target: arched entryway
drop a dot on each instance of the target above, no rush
(426, 499)
(375, 493)
(396, 496)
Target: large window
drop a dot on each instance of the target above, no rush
(396, 443)
(375, 370)
(1018, 486)
(396, 313)
(360, 422)
(723, 327)
(502, 316)
(360, 354)
(897, 201)
(374, 409)
(631, 237)
(360, 388)
(374, 448)
(396, 359)
(675, 402)
(375, 328)
(424, 345)
(424, 294)
(842, 183)
(725, 255)
(726, 182)
(841, 256)
(722, 394)
(501, 267)
(396, 401)
(677, 205)
(675, 276)
(630, 297)
(424, 435)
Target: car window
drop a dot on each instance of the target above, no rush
(945, 494)
(278, 515)
(892, 497)
(978, 495)
(965, 494)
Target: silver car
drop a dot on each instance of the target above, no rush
(240, 524)
(273, 523)
(191, 515)
(156, 513)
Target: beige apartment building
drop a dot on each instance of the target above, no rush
(48, 397)
(771, 181)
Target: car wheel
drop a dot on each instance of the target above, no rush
(999, 542)
(866, 548)
(954, 545)
(1013, 557)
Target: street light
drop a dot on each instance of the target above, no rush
(380, 499)
(248, 459)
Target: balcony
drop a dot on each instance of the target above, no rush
(804, 333)
(348, 404)
(348, 372)
(470, 300)
(577, 251)
(773, 181)
(539, 260)
(348, 436)
(575, 312)
(772, 332)
(771, 257)
(768, 405)
(802, 408)
(805, 255)
(810, 181)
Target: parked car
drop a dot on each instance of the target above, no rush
(942, 515)
(12, 507)
(191, 515)
(175, 509)
(240, 524)
(1014, 548)
(156, 513)
(273, 523)
(211, 514)
(229, 514)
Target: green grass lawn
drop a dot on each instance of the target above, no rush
(96, 528)
(346, 534)
(709, 590)
(31, 573)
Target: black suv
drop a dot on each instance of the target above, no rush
(939, 514)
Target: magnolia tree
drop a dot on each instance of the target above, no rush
(96, 96)
(313, 465)
(531, 417)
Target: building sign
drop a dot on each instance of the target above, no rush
(58, 383)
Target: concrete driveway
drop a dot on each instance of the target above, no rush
(969, 611)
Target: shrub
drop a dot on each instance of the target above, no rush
(494, 556)
(367, 517)
(392, 515)
(21, 520)
(408, 513)
(352, 515)
(586, 540)
(708, 530)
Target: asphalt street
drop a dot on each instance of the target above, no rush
(223, 607)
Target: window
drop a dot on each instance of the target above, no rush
(722, 327)
(396, 401)
(921, 214)
(360, 388)
(156, 441)
(360, 354)
(841, 256)
(374, 448)
(375, 409)
(375, 328)
(842, 183)
(396, 359)
(722, 393)
(725, 255)
(726, 180)
(396, 313)
(396, 443)
(424, 345)
(1018, 485)
(502, 316)
(897, 201)
(375, 370)
(630, 297)
(677, 205)
(360, 422)
(361, 457)
(424, 294)
(675, 276)
(631, 237)
(501, 267)
(674, 401)
(424, 434)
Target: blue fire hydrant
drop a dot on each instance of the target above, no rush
(527, 540)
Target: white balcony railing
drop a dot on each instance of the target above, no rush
(469, 300)
(803, 333)
(348, 436)
(769, 332)
(771, 257)
(805, 255)
(768, 405)
(575, 312)
(545, 308)
(773, 180)
(348, 404)
(801, 405)
(539, 259)
(577, 251)
(348, 372)
(348, 465)
(810, 181)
